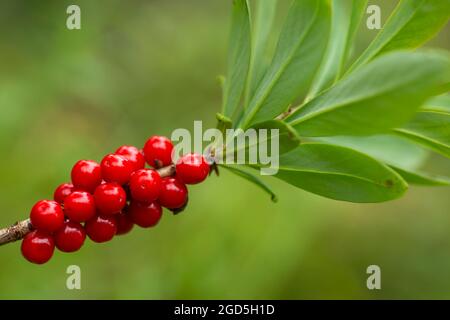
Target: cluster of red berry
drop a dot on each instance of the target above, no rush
(107, 199)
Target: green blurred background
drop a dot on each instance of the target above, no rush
(138, 68)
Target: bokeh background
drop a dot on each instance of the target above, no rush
(138, 68)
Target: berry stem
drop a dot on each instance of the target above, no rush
(15, 232)
(19, 230)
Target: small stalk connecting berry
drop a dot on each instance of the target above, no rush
(108, 198)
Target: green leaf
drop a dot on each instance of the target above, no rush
(377, 97)
(358, 15)
(422, 179)
(439, 103)
(298, 55)
(260, 35)
(253, 179)
(399, 153)
(413, 23)
(239, 144)
(390, 149)
(346, 17)
(288, 138)
(340, 173)
(238, 58)
(430, 129)
(221, 81)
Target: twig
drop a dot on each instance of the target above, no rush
(15, 232)
(19, 230)
(287, 113)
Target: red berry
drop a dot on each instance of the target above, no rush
(173, 193)
(38, 247)
(47, 215)
(79, 206)
(145, 215)
(145, 185)
(110, 198)
(101, 228)
(158, 151)
(62, 192)
(134, 155)
(192, 168)
(70, 237)
(124, 223)
(116, 168)
(86, 175)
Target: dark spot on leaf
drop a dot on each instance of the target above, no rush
(389, 183)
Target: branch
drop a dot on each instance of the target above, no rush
(20, 229)
(15, 232)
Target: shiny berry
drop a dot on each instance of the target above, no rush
(62, 192)
(145, 215)
(110, 198)
(38, 246)
(70, 237)
(116, 168)
(173, 193)
(79, 206)
(86, 175)
(133, 154)
(192, 168)
(101, 228)
(124, 223)
(47, 215)
(145, 185)
(158, 151)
